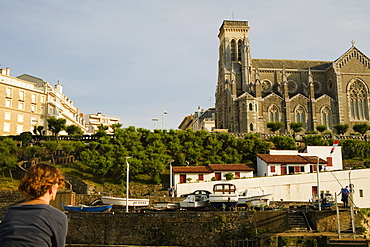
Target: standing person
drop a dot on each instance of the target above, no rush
(345, 193)
(35, 223)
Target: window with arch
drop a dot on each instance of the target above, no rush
(251, 127)
(250, 106)
(274, 113)
(326, 117)
(357, 95)
(240, 47)
(300, 115)
(233, 50)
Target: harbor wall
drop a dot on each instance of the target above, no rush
(171, 228)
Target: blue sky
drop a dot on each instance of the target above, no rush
(128, 58)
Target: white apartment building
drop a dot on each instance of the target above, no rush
(94, 120)
(28, 101)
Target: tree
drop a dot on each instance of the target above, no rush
(296, 127)
(8, 155)
(38, 130)
(314, 140)
(321, 128)
(102, 130)
(341, 128)
(25, 138)
(229, 176)
(73, 130)
(51, 147)
(284, 142)
(274, 126)
(361, 128)
(56, 125)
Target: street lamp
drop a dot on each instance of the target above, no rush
(154, 121)
(127, 181)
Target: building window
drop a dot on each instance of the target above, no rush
(357, 95)
(240, 48)
(20, 118)
(251, 127)
(33, 108)
(326, 117)
(6, 127)
(302, 168)
(233, 50)
(250, 106)
(9, 92)
(21, 95)
(300, 116)
(361, 191)
(200, 177)
(7, 116)
(272, 169)
(237, 174)
(8, 103)
(330, 161)
(42, 99)
(19, 129)
(33, 98)
(274, 113)
(20, 105)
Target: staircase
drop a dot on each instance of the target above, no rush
(298, 222)
(345, 222)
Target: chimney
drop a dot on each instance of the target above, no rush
(5, 71)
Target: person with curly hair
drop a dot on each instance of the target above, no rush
(35, 222)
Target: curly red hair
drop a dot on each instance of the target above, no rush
(38, 179)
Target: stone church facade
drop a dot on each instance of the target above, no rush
(252, 92)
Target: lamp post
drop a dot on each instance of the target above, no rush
(163, 113)
(171, 160)
(154, 121)
(127, 180)
(318, 183)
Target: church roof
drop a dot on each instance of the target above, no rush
(290, 64)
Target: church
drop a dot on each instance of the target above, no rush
(253, 92)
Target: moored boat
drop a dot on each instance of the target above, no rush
(224, 196)
(84, 208)
(132, 202)
(166, 206)
(195, 201)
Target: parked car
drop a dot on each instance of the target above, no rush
(198, 192)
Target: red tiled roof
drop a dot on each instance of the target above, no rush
(191, 169)
(230, 167)
(290, 159)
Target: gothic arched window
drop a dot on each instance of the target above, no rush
(250, 106)
(300, 115)
(274, 114)
(326, 117)
(251, 127)
(233, 50)
(357, 95)
(240, 47)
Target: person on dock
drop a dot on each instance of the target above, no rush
(35, 223)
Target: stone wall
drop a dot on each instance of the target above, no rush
(170, 228)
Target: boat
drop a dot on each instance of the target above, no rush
(84, 208)
(224, 196)
(326, 200)
(195, 201)
(253, 198)
(132, 202)
(170, 206)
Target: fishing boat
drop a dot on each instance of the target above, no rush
(132, 202)
(195, 201)
(224, 196)
(84, 208)
(166, 206)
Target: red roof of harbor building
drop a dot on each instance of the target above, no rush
(211, 168)
(290, 159)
